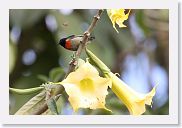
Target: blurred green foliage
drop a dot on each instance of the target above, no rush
(36, 57)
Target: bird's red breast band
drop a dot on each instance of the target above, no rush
(68, 44)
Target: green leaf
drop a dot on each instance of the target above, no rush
(59, 103)
(32, 105)
(43, 78)
(25, 91)
(56, 74)
(51, 103)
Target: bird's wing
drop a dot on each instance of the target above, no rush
(71, 37)
(79, 35)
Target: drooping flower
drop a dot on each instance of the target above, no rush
(118, 16)
(134, 101)
(86, 89)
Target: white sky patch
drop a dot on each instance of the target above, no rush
(159, 77)
(66, 11)
(51, 23)
(137, 72)
(15, 34)
(136, 30)
(29, 57)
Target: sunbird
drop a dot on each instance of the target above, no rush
(72, 42)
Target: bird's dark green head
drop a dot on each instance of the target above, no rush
(62, 42)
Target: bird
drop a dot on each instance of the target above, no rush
(72, 42)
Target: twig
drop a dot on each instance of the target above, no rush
(86, 34)
(73, 62)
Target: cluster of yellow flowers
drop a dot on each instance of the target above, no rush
(86, 89)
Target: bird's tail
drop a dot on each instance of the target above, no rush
(91, 38)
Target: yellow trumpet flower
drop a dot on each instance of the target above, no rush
(134, 101)
(118, 16)
(86, 89)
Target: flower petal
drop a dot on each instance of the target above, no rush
(134, 101)
(83, 71)
(118, 16)
(87, 91)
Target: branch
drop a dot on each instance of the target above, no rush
(73, 62)
(82, 45)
